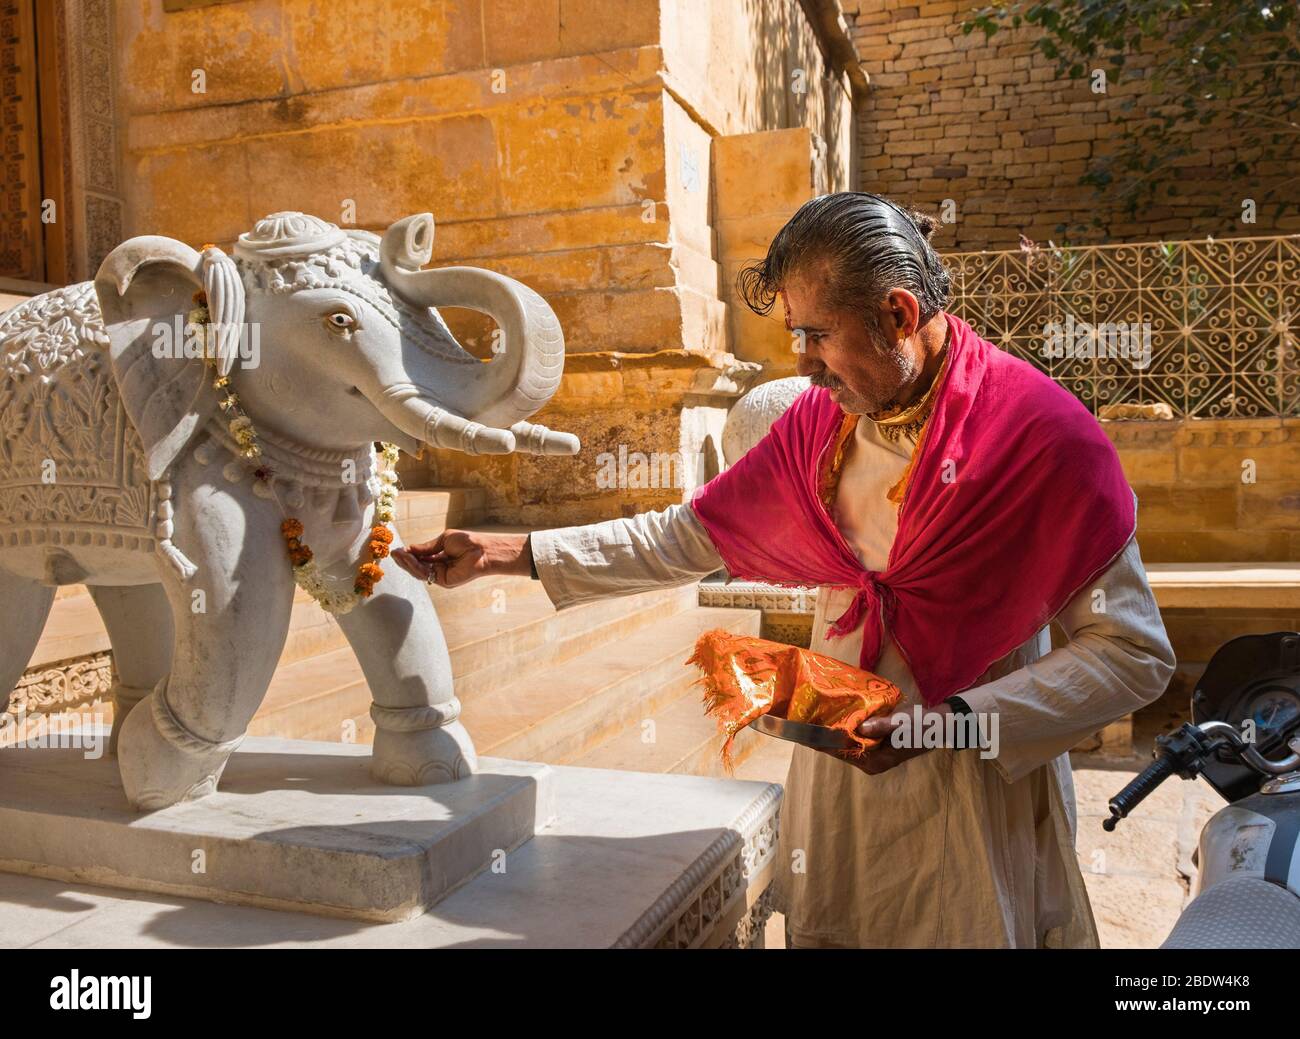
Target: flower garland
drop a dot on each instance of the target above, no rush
(306, 573)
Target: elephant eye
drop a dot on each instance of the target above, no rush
(341, 321)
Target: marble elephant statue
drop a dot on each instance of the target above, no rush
(119, 469)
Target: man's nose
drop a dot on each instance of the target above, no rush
(806, 359)
(806, 365)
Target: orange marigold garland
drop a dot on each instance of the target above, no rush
(305, 571)
(380, 538)
(369, 573)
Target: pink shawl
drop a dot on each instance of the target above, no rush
(1016, 501)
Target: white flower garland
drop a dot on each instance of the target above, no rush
(309, 576)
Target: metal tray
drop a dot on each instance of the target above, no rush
(817, 736)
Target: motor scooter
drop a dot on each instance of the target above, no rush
(1244, 740)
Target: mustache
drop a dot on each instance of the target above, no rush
(826, 380)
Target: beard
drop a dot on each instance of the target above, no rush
(895, 369)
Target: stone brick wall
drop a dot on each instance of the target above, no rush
(553, 142)
(990, 125)
(1214, 490)
(526, 127)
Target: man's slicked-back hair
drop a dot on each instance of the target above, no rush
(868, 246)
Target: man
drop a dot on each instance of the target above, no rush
(949, 501)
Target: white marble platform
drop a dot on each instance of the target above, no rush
(295, 825)
(626, 859)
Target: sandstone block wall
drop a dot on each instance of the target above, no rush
(554, 141)
(761, 179)
(1214, 490)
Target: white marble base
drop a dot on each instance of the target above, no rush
(295, 825)
(630, 859)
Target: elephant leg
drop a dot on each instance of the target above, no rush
(24, 607)
(231, 620)
(138, 620)
(403, 654)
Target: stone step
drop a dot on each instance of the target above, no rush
(627, 858)
(490, 650)
(72, 630)
(683, 739)
(769, 762)
(424, 512)
(312, 631)
(1208, 586)
(312, 698)
(324, 697)
(557, 714)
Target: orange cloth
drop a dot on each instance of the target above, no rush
(833, 464)
(745, 677)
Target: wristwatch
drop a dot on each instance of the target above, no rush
(959, 706)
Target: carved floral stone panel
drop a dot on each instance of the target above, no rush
(71, 464)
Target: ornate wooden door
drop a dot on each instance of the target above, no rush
(30, 146)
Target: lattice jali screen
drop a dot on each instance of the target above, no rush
(1221, 318)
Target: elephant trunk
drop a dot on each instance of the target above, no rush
(524, 373)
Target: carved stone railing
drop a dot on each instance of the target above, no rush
(1207, 327)
(63, 686)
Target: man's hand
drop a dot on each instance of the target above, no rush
(457, 556)
(884, 756)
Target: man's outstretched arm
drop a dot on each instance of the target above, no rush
(622, 556)
(577, 564)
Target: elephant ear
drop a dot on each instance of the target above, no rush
(146, 289)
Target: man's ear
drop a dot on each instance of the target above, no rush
(904, 313)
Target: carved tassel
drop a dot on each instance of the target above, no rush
(163, 530)
(176, 557)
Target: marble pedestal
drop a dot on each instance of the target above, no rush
(295, 825)
(610, 859)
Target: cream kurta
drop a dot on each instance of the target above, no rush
(948, 849)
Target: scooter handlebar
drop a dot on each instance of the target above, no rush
(1180, 753)
(1142, 785)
